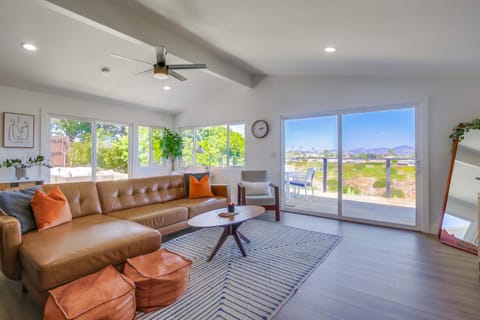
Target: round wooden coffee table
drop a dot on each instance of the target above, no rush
(230, 225)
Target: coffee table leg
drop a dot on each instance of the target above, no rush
(222, 239)
(237, 240)
(243, 237)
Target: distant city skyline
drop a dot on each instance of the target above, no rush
(369, 130)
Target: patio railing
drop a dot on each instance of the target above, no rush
(388, 164)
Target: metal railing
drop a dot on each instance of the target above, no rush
(388, 180)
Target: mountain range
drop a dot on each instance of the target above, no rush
(399, 151)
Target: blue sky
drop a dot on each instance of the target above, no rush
(390, 128)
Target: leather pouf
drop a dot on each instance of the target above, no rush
(106, 294)
(160, 277)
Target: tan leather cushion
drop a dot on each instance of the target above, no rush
(11, 239)
(154, 215)
(82, 246)
(202, 205)
(124, 194)
(160, 277)
(82, 197)
(106, 294)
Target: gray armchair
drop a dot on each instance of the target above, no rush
(255, 189)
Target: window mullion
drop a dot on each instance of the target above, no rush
(94, 150)
(228, 146)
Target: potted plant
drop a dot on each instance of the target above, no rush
(21, 165)
(171, 146)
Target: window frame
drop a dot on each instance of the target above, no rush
(151, 163)
(93, 155)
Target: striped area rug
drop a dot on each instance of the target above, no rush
(279, 259)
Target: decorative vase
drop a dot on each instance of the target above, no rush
(21, 173)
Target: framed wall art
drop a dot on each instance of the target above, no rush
(18, 130)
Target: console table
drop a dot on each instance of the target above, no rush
(15, 185)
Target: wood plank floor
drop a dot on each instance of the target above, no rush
(374, 273)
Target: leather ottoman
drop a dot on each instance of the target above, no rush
(106, 294)
(160, 277)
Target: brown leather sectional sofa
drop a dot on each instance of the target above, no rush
(112, 221)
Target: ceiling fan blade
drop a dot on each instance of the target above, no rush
(176, 75)
(138, 73)
(129, 59)
(187, 66)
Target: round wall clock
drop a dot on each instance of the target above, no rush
(260, 128)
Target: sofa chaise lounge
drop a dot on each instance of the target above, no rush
(112, 221)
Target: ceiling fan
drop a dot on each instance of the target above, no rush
(160, 69)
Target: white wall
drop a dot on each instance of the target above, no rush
(449, 102)
(41, 105)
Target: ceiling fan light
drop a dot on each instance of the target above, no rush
(160, 74)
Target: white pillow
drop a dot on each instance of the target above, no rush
(256, 188)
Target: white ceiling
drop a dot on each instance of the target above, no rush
(373, 37)
(272, 37)
(72, 53)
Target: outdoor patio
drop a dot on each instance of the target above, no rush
(392, 210)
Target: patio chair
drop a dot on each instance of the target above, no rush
(304, 181)
(255, 189)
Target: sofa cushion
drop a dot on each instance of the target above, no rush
(82, 197)
(154, 215)
(82, 246)
(124, 194)
(260, 200)
(257, 188)
(200, 189)
(16, 203)
(50, 209)
(197, 176)
(201, 205)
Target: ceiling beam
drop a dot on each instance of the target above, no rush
(133, 22)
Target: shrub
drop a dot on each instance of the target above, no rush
(380, 183)
(395, 193)
(350, 190)
(332, 185)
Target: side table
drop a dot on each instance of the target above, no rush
(16, 185)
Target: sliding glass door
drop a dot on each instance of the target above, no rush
(311, 164)
(376, 180)
(378, 166)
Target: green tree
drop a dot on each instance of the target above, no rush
(212, 141)
(237, 149)
(112, 148)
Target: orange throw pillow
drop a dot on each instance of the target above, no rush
(50, 209)
(200, 189)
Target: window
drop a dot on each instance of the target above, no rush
(112, 151)
(214, 146)
(149, 152)
(71, 150)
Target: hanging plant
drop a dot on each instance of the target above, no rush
(463, 127)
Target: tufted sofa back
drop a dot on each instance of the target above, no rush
(82, 197)
(124, 194)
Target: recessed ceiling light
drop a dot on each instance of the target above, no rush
(28, 46)
(105, 70)
(166, 88)
(330, 49)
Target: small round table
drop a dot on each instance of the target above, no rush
(230, 225)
